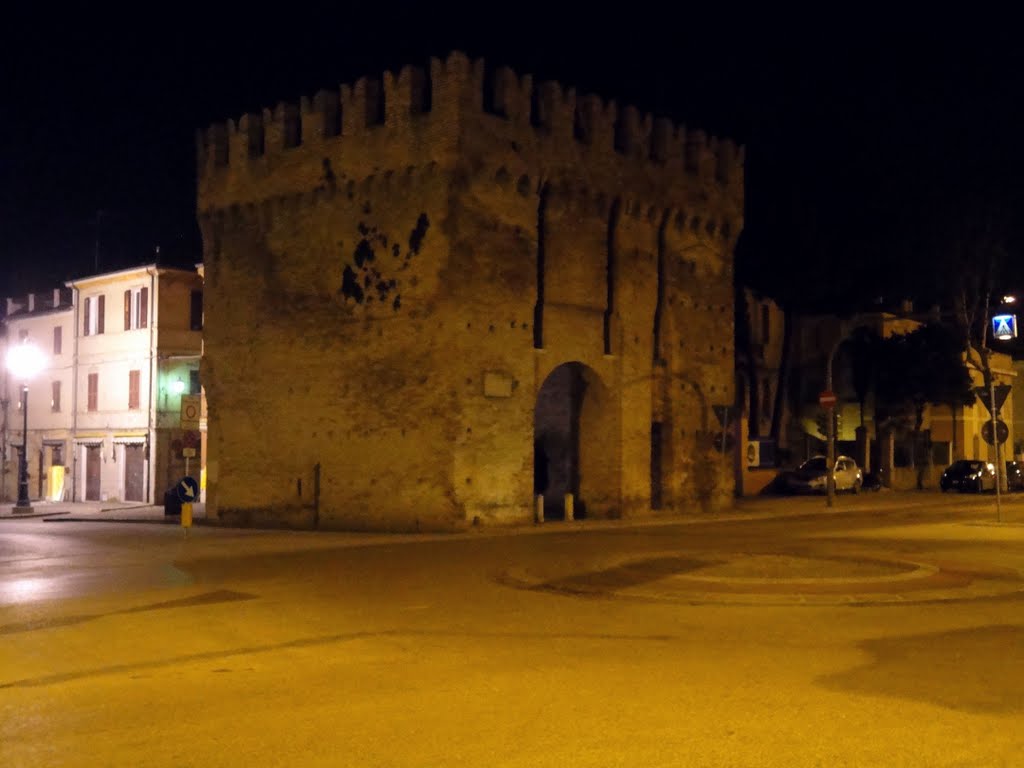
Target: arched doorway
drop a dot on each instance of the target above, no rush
(575, 449)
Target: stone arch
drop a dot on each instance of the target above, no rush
(574, 443)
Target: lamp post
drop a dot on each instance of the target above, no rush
(830, 437)
(24, 361)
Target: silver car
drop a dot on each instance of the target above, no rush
(810, 477)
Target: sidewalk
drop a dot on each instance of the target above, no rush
(744, 508)
(99, 512)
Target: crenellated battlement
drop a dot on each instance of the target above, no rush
(418, 115)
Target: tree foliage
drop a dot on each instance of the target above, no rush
(925, 366)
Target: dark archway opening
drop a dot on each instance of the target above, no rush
(577, 444)
(556, 430)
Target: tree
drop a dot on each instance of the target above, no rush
(864, 346)
(925, 366)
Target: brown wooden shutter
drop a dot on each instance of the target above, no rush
(100, 313)
(57, 339)
(128, 310)
(144, 308)
(133, 389)
(55, 402)
(94, 392)
(85, 316)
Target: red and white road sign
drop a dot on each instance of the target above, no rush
(827, 399)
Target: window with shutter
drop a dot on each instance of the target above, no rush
(100, 312)
(57, 339)
(87, 316)
(136, 308)
(55, 399)
(133, 389)
(94, 392)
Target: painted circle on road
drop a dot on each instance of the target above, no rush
(775, 579)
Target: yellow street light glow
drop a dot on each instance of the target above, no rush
(177, 387)
(1009, 299)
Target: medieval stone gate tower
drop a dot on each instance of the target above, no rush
(430, 295)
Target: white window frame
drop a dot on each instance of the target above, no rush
(135, 309)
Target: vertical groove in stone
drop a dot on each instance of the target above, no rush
(538, 307)
(613, 220)
(660, 287)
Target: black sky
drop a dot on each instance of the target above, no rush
(861, 129)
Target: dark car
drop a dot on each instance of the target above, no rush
(1014, 476)
(969, 475)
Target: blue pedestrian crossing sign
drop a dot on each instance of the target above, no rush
(1004, 327)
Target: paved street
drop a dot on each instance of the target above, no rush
(886, 632)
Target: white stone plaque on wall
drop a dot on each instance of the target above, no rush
(497, 384)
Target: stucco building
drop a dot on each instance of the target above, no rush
(433, 295)
(47, 320)
(121, 350)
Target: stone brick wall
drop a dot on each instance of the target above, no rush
(384, 304)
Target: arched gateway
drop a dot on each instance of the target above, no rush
(575, 450)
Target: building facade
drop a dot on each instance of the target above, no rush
(46, 320)
(122, 350)
(435, 296)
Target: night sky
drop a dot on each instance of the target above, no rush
(865, 136)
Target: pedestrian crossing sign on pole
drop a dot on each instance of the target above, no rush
(1004, 327)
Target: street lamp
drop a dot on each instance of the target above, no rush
(24, 361)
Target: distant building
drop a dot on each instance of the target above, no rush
(122, 349)
(436, 295)
(948, 433)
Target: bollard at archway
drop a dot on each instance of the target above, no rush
(568, 506)
(538, 512)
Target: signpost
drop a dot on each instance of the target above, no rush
(827, 399)
(992, 397)
(188, 493)
(190, 411)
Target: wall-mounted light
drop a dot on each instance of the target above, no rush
(177, 387)
(1009, 299)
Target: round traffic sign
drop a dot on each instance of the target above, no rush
(827, 399)
(188, 490)
(1002, 432)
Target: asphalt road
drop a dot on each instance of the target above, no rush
(886, 633)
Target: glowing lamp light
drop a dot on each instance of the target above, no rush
(1009, 299)
(177, 387)
(25, 361)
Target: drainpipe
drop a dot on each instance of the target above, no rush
(150, 421)
(76, 321)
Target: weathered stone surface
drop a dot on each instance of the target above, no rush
(384, 304)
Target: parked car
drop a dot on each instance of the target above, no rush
(1014, 476)
(969, 475)
(810, 477)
